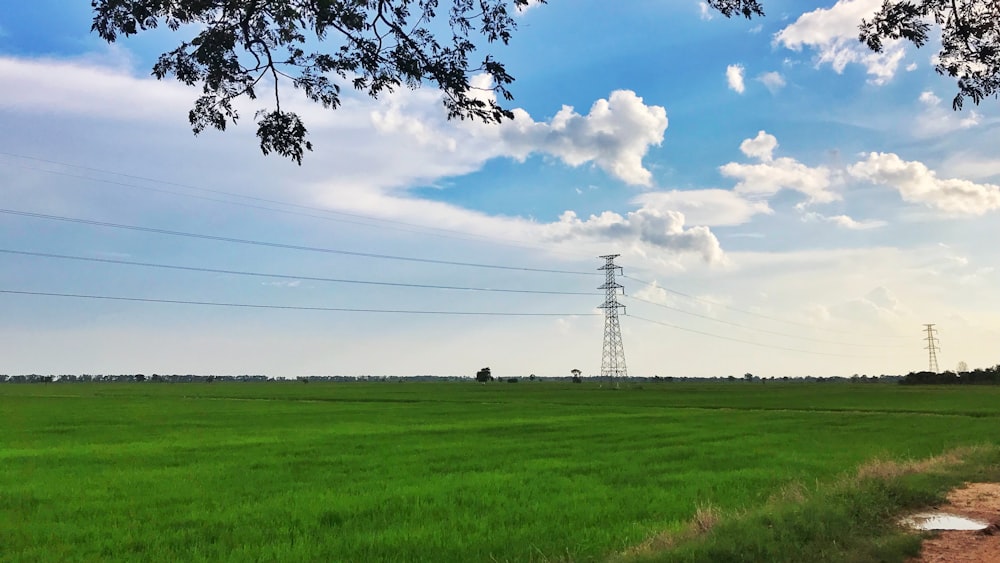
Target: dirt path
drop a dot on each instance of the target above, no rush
(980, 501)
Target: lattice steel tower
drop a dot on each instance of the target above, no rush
(932, 347)
(613, 356)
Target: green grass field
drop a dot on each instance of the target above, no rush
(432, 471)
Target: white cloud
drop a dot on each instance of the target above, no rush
(917, 183)
(653, 292)
(767, 178)
(912, 67)
(648, 230)
(833, 33)
(845, 221)
(531, 4)
(971, 165)
(355, 174)
(938, 120)
(705, 207)
(657, 229)
(878, 306)
(760, 147)
(70, 87)
(773, 81)
(615, 135)
(756, 29)
(734, 76)
(705, 11)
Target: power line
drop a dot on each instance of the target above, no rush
(750, 342)
(760, 330)
(744, 311)
(284, 276)
(282, 245)
(292, 307)
(413, 227)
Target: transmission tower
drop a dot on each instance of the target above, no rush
(932, 347)
(613, 355)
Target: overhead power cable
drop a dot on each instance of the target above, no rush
(291, 307)
(745, 327)
(749, 342)
(743, 311)
(285, 276)
(283, 245)
(392, 226)
(208, 190)
(326, 213)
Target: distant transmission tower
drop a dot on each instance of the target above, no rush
(932, 347)
(613, 355)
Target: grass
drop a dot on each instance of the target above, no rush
(537, 471)
(850, 519)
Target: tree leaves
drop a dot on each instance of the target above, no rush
(375, 46)
(970, 40)
(282, 132)
(746, 8)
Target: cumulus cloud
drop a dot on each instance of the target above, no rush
(845, 221)
(409, 125)
(938, 120)
(615, 135)
(770, 176)
(710, 207)
(773, 81)
(833, 33)
(655, 228)
(918, 184)
(734, 76)
(760, 147)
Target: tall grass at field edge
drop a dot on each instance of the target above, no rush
(854, 518)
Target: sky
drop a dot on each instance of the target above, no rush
(785, 203)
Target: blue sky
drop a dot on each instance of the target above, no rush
(802, 205)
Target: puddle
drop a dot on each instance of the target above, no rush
(942, 521)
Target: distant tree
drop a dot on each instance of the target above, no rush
(140, 377)
(748, 377)
(962, 367)
(531, 377)
(576, 375)
(484, 375)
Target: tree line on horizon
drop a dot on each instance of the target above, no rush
(979, 376)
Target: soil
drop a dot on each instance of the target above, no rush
(980, 501)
